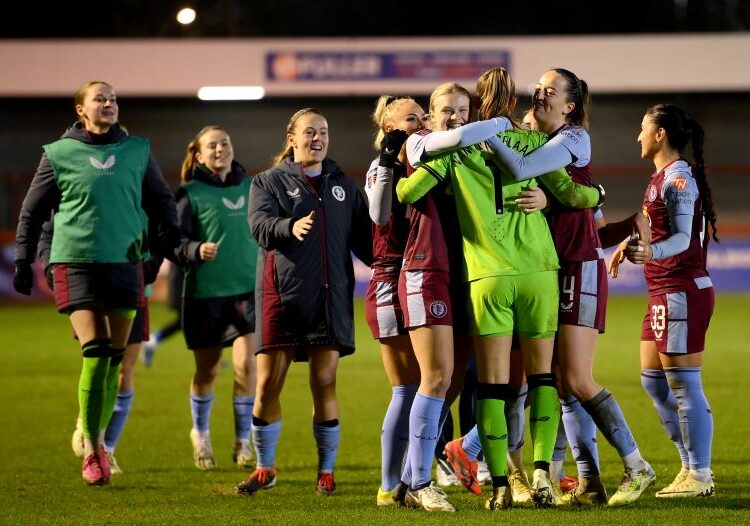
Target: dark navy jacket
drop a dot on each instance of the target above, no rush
(303, 289)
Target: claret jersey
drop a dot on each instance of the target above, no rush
(670, 192)
(574, 231)
(389, 240)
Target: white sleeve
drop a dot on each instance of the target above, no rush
(378, 187)
(429, 145)
(547, 158)
(415, 148)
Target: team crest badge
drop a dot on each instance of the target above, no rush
(338, 193)
(652, 193)
(438, 308)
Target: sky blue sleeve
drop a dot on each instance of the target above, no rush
(549, 157)
(680, 207)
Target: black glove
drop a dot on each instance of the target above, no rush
(50, 277)
(390, 147)
(151, 269)
(23, 278)
(601, 195)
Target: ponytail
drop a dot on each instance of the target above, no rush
(680, 129)
(497, 94)
(578, 94)
(697, 136)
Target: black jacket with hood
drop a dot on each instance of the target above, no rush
(43, 198)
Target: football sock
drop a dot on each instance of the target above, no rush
(394, 436)
(654, 382)
(608, 417)
(493, 430)
(580, 432)
(119, 417)
(445, 431)
(471, 443)
(544, 415)
(110, 385)
(515, 419)
(406, 473)
(165, 332)
(91, 386)
(327, 436)
(561, 447)
(265, 438)
(696, 419)
(200, 409)
(423, 430)
(243, 416)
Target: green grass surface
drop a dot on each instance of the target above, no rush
(40, 480)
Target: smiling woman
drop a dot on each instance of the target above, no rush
(307, 217)
(218, 304)
(97, 246)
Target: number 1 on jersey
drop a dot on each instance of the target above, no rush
(498, 183)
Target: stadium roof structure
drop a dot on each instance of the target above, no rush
(304, 18)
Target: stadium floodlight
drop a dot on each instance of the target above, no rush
(231, 93)
(186, 16)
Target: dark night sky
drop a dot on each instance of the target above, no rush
(306, 18)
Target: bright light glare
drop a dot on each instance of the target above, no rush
(231, 93)
(186, 16)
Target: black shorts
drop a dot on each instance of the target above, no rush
(208, 322)
(98, 285)
(141, 328)
(174, 292)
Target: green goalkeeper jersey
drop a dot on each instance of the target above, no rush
(498, 237)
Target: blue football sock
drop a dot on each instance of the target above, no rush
(406, 473)
(445, 432)
(471, 443)
(119, 416)
(608, 417)
(561, 443)
(556, 468)
(200, 409)
(243, 416)
(394, 436)
(515, 417)
(654, 382)
(580, 431)
(327, 436)
(423, 432)
(696, 419)
(265, 439)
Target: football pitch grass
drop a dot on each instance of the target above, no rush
(40, 479)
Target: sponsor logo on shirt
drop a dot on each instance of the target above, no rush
(106, 165)
(338, 193)
(294, 194)
(109, 163)
(234, 206)
(680, 183)
(438, 308)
